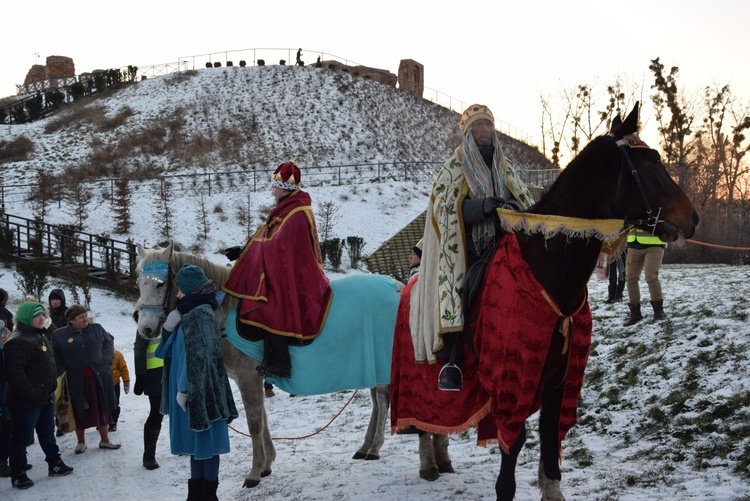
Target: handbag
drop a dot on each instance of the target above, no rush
(64, 412)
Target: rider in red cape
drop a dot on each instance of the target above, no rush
(279, 274)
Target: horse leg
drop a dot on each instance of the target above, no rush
(442, 459)
(428, 468)
(241, 368)
(505, 487)
(549, 443)
(375, 436)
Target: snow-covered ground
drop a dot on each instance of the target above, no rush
(619, 463)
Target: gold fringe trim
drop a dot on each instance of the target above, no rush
(606, 230)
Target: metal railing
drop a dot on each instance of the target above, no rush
(64, 247)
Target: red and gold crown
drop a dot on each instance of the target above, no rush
(287, 177)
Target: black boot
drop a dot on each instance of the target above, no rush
(658, 310)
(611, 296)
(635, 314)
(619, 291)
(276, 361)
(150, 437)
(195, 489)
(208, 493)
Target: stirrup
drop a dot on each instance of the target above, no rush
(450, 378)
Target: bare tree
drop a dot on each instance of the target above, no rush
(41, 194)
(163, 205)
(328, 215)
(201, 218)
(77, 199)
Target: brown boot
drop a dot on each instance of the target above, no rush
(658, 310)
(635, 314)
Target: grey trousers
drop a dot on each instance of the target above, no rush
(649, 261)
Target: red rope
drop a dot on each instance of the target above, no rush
(304, 436)
(697, 242)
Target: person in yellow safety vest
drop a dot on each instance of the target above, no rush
(645, 253)
(148, 370)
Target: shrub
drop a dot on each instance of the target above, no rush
(217, 64)
(242, 63)
(209, 65)
(333, 248)
(282, 62)
(354, 245)
(32, 276)
(261, 62)
(15, 150)
(230, 63)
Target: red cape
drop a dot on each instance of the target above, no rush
(279, 275)
(502, 388)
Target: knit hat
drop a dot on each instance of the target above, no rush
(75, 311)
(28, 311)
(287, 177)
(472, 114)
(418, 249)
(190, 278)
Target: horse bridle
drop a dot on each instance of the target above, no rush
(650, 221)
(159, 271)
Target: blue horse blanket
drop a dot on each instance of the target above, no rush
(353, 350)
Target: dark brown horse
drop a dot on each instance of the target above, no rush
(614, 177)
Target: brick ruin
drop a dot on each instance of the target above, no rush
(410, 74)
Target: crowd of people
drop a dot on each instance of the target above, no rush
(284, 296)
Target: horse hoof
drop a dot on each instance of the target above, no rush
(430, 475)
(265, 473)
(371, 457)
(359, 455)
(446, 468)
(250, 483)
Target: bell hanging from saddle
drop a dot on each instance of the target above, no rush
(450, 378)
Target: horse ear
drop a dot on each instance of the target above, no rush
(616, 124)
(140, 250)
(621, 129)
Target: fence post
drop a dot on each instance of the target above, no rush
(209, 185)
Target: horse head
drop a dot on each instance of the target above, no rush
(617, 176)
(646, 196)
(154, 282)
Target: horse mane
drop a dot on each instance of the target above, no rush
(213, 271)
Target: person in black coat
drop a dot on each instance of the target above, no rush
(5, 314)
(57, 308)
(31, 375)
(148, 371)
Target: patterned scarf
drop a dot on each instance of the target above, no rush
(483, 182)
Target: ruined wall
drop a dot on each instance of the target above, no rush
(411, 76)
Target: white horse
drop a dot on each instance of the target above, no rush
(377, 299)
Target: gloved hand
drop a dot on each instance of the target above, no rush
(139, 384)
(172, 321)
(490, 204)
(126, 387)
(232, 253)
(182, 400)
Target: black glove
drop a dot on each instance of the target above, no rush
(490, 204)
(232, 253)
(139, 384)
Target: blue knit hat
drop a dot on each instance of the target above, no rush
(190, 278)
(28, 311)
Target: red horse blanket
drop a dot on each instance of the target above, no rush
(502, 382)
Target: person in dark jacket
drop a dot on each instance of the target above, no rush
(31, 380)
(85, 351)
(57, 308)
(5, 314)
(148, 371)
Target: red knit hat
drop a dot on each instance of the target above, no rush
(287, 177)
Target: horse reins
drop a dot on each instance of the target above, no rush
(650, 221)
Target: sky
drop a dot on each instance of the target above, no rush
(504, 55)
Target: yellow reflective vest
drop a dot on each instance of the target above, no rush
(152, 361)
(644, 237)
